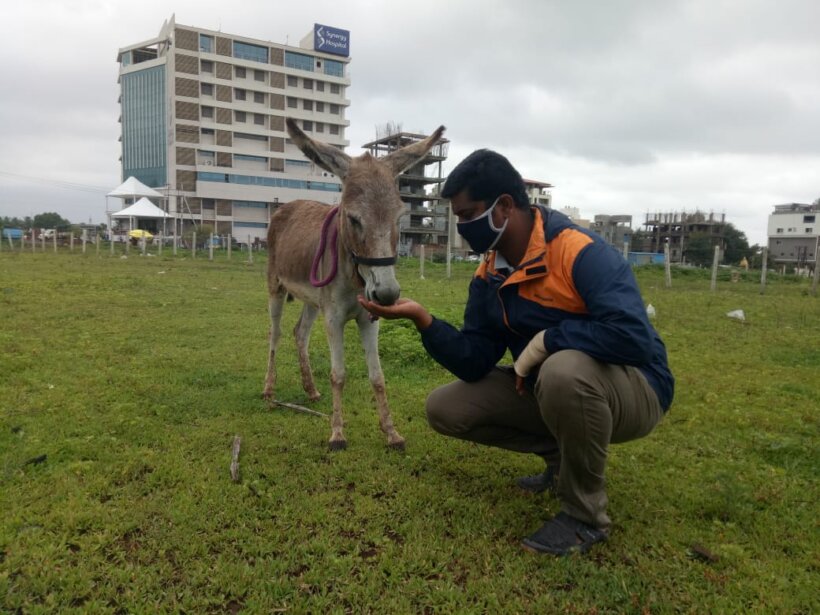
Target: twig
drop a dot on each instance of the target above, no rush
(299, 408)
(237, 441)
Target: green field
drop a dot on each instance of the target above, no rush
(124, 381)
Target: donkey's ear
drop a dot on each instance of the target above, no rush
(326, 156)
(406, 157)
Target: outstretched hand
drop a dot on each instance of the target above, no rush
(403, 308)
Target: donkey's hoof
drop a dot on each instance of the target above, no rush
(337, 445)
(315, 396)
(396, 445)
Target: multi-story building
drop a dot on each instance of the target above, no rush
(427, 218)
(539, 192)
(677, 228)
(203, 121)
(793, 230)
(616, 230)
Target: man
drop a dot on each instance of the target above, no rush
(589, 368)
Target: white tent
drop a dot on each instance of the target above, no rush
(132, 188)
(141, 209)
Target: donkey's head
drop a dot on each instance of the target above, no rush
(370, 207)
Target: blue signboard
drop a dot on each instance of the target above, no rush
(331, 40)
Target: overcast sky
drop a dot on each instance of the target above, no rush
(627, 107)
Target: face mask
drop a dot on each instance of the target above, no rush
(481, 233)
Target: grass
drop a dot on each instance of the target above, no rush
(123, 382)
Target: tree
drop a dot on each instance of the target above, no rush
(50, 220)
(699, 249)
(737, 246)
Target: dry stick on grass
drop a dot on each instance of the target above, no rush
(237, 441)
(299, 408)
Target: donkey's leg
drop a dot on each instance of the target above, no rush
(302, 334)
(369, 333)
(276, 303)
(335, 324)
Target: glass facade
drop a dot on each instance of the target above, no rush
(255, 204)
(143, 126)
(298, 60)
(245, 51)
(272, 182)
(206, 43)
(332, 67)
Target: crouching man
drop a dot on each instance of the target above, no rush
(590, 369)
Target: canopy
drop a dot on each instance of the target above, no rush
(141, 209)
(132, 188)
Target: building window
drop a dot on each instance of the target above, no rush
(259, 119)
(335, 88)
(239, 94)
(207, 66)
(246, 51)
(291, 102)
(334, 68)
(206, 43)
(207, 89)
(320, 107)
(207, 112)
(207, 131)
(207, 158)
(307, 84)
(320, 86)
(307, 105)
(320, 127)
(307, 125)
(240, 72)
(334, 129)
(808, 218)
(809, 230)
(249, 158)
(259, 75)
(258, 97)
(292, 81)
(334, 109)
(780, 230)
(240, 116)
(299, 61)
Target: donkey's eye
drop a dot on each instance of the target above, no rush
(354, 222)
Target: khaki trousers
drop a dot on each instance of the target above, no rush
(579, 406)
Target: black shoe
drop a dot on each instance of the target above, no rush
(564, 535)
(539, 483)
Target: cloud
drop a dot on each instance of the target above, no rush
(625, 106)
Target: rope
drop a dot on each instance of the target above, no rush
(317, 258)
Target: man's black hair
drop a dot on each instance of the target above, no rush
(486, 175)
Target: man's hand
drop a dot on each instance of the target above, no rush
(533, 355)
(403, 308)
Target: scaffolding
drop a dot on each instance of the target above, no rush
(427, 219)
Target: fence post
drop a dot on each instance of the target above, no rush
(193, 244)
(229, 246)
(250, 250)
(110, 243)
(11, 243)
(33, 242)
(71, 241)
(43, 243)
(211, 248)
(668, 266)
(715, 262)
(421, 262)
(816, 268)
(161, 241)
(626, 251)
(175, 239)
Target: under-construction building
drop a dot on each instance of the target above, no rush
(616, 230)
(677, 228)
(427, 218)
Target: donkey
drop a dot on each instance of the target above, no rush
(364, 235)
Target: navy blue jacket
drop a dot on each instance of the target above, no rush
(571, 283)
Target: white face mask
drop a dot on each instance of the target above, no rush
(482, 236)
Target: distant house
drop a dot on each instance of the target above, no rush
(616, 230)
(793, 231)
